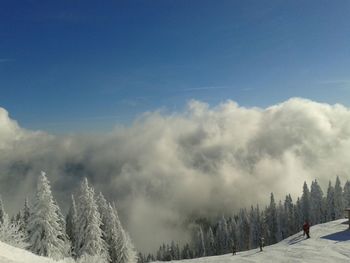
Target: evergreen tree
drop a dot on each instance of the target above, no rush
(338, 200)
(2, 212)
(199, 245)
(244, 230)
(271, 218)
(222, 239)
(330, 204)
(11, 232)
(44, 228)
(71, 226)
(316, 203)
(305, 203)
(210, 242)
(26, 214)
(289, 210)
(282, 222)
(89, 241)
(346, 194)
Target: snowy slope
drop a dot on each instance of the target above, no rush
(329, 242)
(9, 254)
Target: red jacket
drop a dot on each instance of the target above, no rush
(306, 227)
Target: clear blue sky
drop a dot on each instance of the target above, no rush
(76, 65)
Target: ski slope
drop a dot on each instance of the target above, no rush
(9, 254)
(329, 242)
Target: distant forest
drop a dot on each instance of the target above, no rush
(274, 222)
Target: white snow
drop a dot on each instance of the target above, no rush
(329, 242)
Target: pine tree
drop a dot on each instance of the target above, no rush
(2, 212)
(305, 203)
(316, 203)
(289, 210)
(199, 245)
(71, 226)
(210, 242)
(11, 232)
(222, 239)
(89, 241)
(330, 204)
(346, 194)
(44, 228)
(26, 214)
(338, 200)
(272, 221)
(244, 230)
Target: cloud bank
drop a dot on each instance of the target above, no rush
(164, 168)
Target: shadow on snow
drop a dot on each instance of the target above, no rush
(339, 236)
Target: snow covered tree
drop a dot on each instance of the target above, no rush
(330, 212)
(282, 222)
(346, 194)
(222, 238)
(305, 202)
(316, 203)
(103, 210)
(255, 226)
(210, 243)
(271, 221)
(11, 233)
(2, 212)
(89, 234)
(26, 214)
(338, 199)
(71, 226)
(244, 230)
(289, 210)
(43, 227)
(198, 240)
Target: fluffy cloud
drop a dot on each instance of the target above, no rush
(165, 168)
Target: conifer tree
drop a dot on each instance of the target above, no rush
(71, 226)
(89, 241)
(44, 228)
(2, 212)
(316, 203)
(330, 213)
(210, 242)
(305, 202)
(346, 194)
(271, 218)
(338, 200)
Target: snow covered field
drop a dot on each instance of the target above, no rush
(329, 242)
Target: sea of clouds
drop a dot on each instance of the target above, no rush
(166, 167)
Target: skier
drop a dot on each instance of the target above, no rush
(261, 243)
(234, 249)
(306, 228)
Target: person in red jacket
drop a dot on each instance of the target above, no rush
(306, 228)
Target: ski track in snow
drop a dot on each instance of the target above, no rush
(329, 242)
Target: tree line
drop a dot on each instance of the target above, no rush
(274, 222)
(90, 232)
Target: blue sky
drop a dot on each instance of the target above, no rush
(86, 65)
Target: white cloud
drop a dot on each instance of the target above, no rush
(166, 167)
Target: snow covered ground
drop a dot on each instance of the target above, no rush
(329, 242)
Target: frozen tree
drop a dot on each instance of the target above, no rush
(305, 202)
(346, 194)
(282, 222)
(222, 238)
(103, 210)
(26, 214)
(338, 199)
(44, 227)
(255, 226)
(316, 203)
(271, 221)
(330, 212)
(289, 210)
(210, 242)
(199, 245)
(89, 234)
(2, 212)
(244, 230)
(120, 247)
(71, 226)
(11, 233)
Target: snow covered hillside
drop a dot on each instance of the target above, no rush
(329, 242)
(10, 254)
